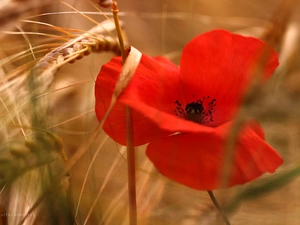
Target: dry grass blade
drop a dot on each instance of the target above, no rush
(33, 84)
(106, 180)
(254, 92)
(280, 20)
(130, 65)
(12, 11)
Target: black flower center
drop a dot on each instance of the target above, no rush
(193, 112)
(199, 111)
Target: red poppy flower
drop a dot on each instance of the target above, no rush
(185, 113)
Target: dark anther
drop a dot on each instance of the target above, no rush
(177, 103)
(194, 112)
(178, 109)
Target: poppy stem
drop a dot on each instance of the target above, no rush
(129, 132)
(218, 206)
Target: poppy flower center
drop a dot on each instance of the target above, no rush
(193, 112)
(199, 111)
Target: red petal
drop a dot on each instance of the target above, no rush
(220, 64)
(196, 160)
(152, 78)
(153, 91)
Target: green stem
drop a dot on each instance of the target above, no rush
(219, 208)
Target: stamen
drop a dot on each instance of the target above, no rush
(179, 110)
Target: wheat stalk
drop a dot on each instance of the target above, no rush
(33, 81)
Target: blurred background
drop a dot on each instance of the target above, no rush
(57, 110)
